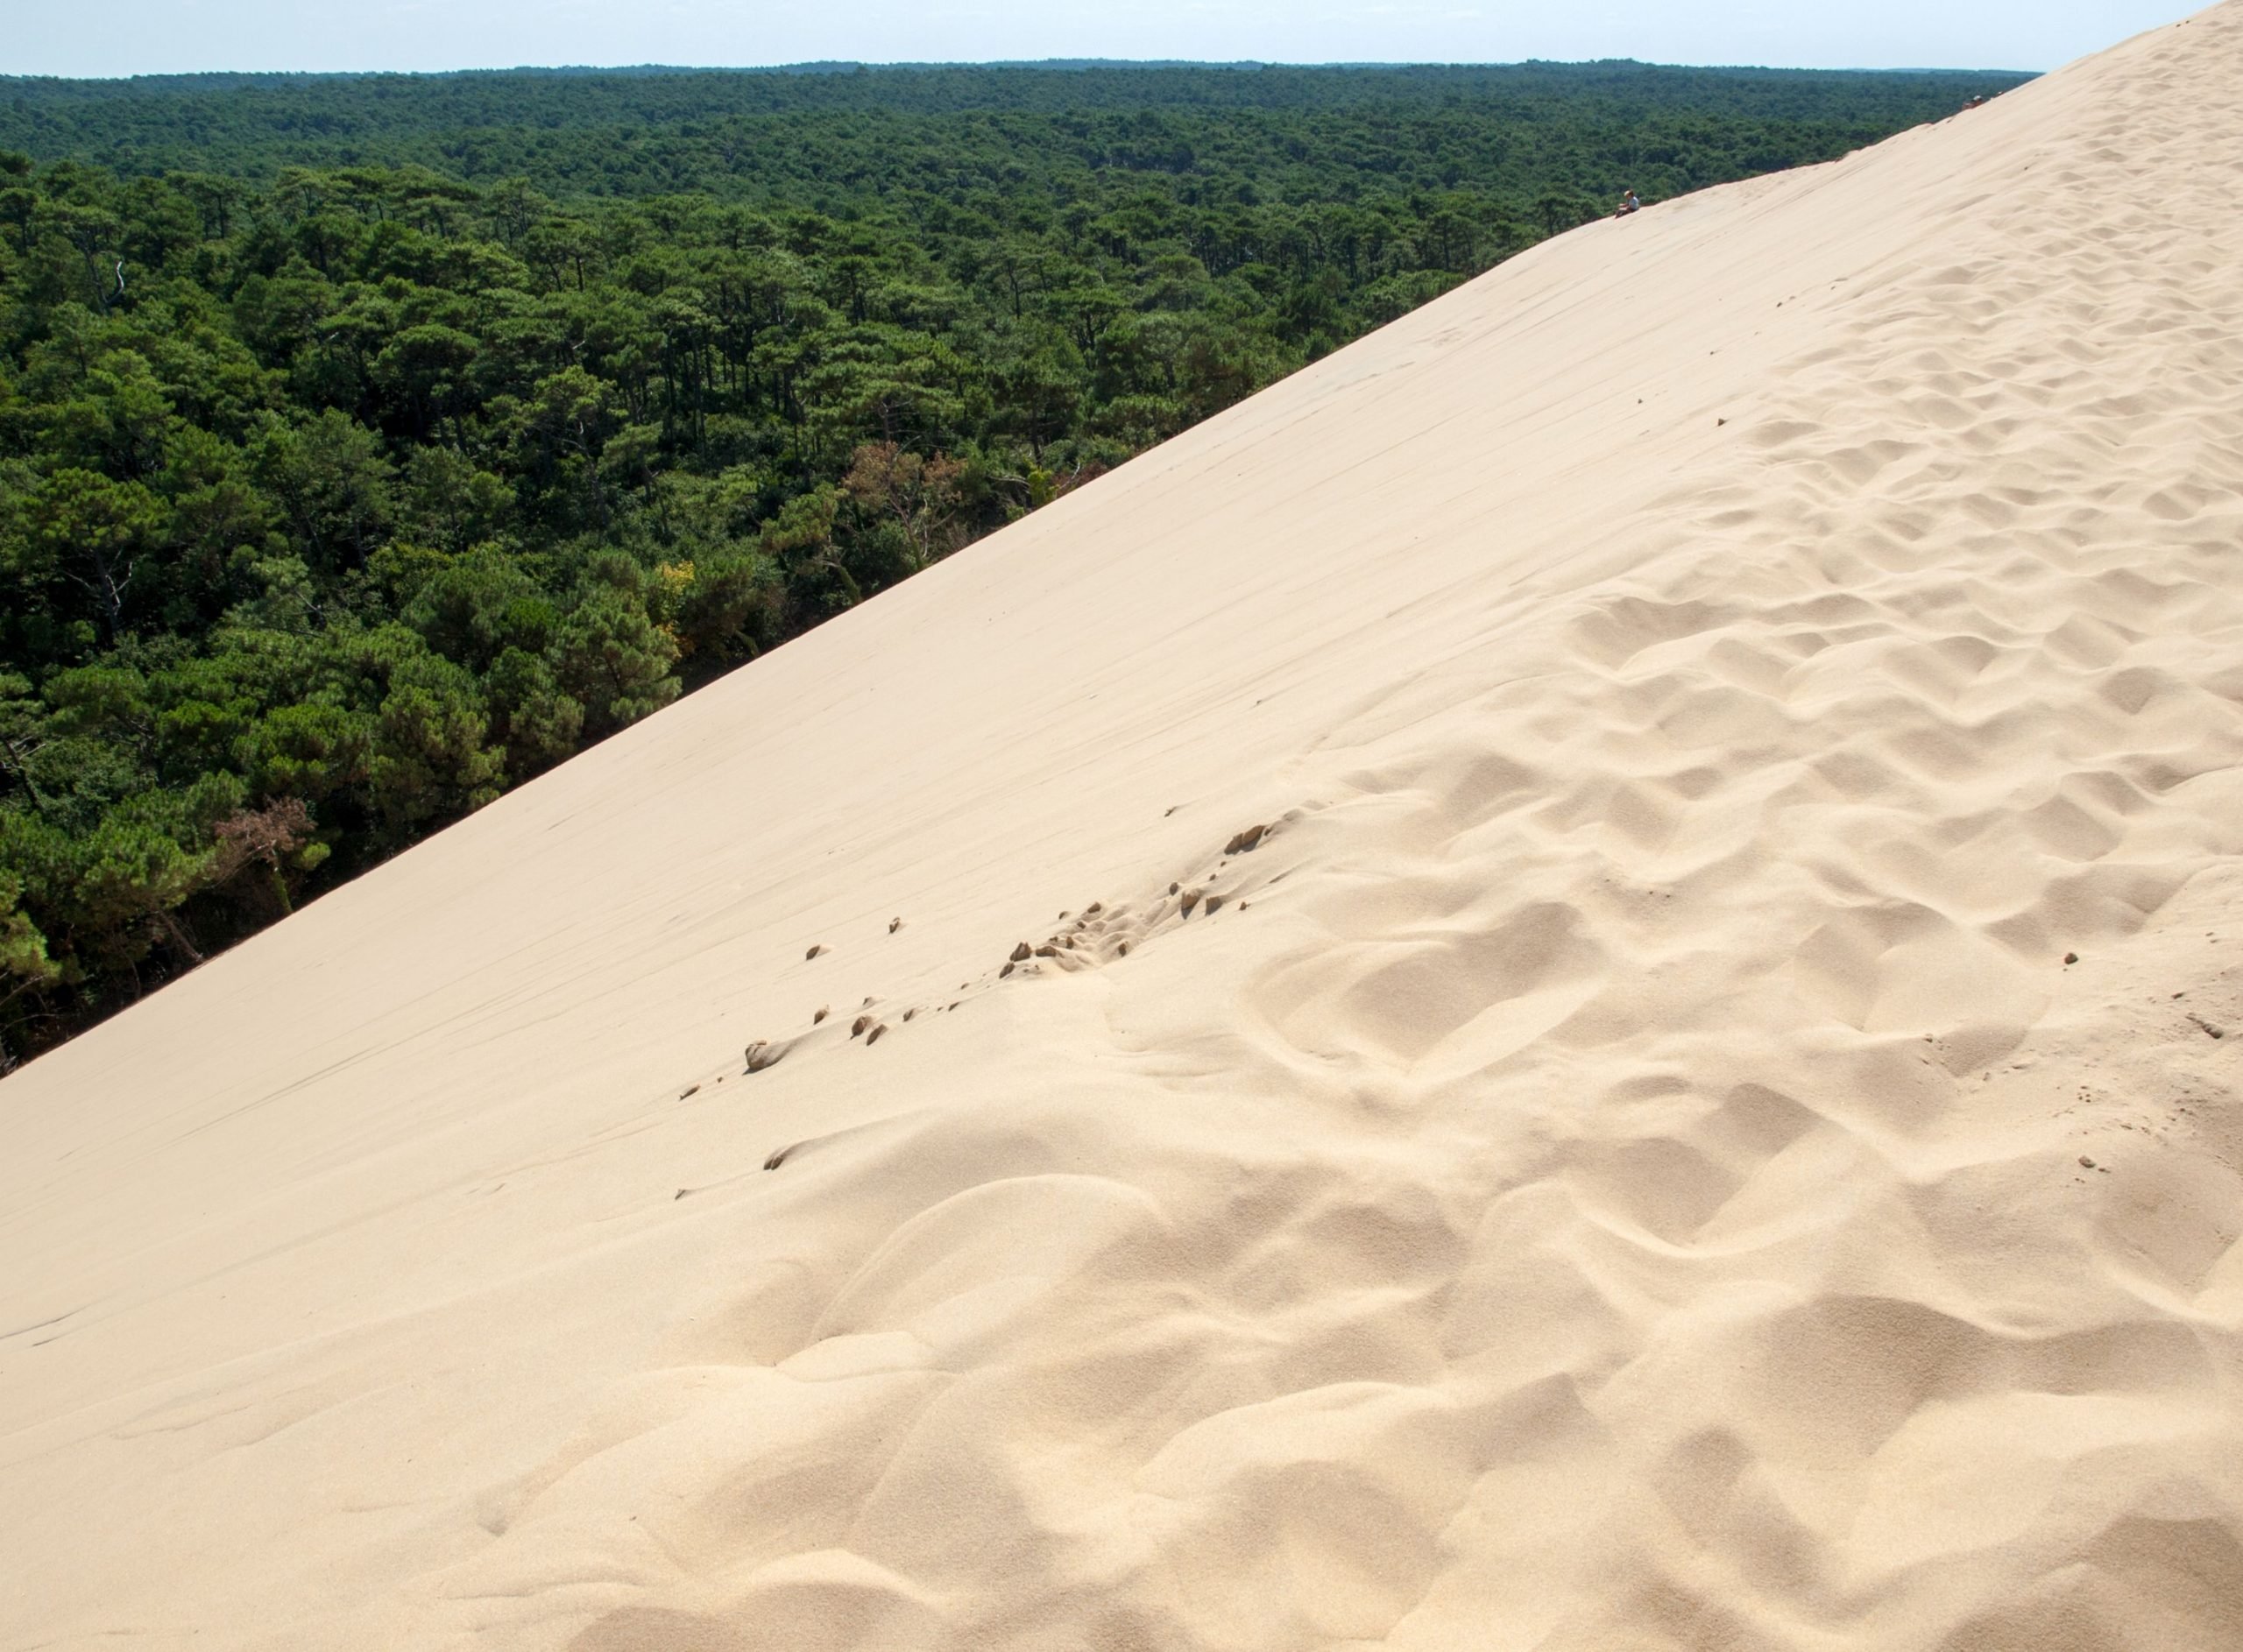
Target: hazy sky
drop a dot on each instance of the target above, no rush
(132, 36)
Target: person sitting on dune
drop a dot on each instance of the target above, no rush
(1630, 201)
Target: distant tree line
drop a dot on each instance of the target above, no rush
(335, 498)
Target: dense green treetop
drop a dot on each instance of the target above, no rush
(818, 136)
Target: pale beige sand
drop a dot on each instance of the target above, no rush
(1628, 1166)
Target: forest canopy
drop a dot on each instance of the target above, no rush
(370, 444)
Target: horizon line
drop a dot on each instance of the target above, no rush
(849, 65)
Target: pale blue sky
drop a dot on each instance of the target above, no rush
(129, 37)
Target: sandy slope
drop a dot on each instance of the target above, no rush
(1629, 1164)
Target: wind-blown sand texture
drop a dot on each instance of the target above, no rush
(1629, 1160)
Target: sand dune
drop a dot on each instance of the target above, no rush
(1707, 1120)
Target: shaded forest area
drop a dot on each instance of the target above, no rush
(370, 444)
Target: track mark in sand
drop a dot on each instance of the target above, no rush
(1099, 934)
(24, 1330)
(1105, 935)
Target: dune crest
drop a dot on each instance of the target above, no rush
(1571, 983)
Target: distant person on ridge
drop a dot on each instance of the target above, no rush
(1628, 202)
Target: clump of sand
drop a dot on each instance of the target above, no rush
(1705, 1117)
